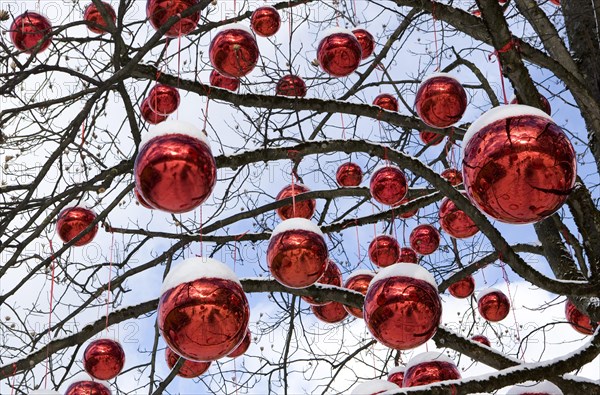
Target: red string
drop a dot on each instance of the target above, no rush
(435, 36)
(343, 127)
(51, 309)
(110, 265)
(12, 388)
(201, 247)
(507, 281)
(293, 193)
(511, 44)
(357, 239)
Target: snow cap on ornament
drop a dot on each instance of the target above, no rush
(430, 367)
(374, 387)
(339, 52)
(83, 384)
(531, 387)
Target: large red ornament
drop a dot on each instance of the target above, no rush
(441, 100)
(339, 53)
(463, 288)
(265, 21)
(175, 170)
(290, 85)
(396, 375)
(408, 255)
(141, 200)
(374, 387)
(95, 22)
(366, 41)
(545, 103)
(388, 185)
(87, 387)
(519, 166)
(243, 346)
(387, 102)
(424, 239)
(493, 305)
(430, 138)
(298, 209)
(532, 388)
(402, 307)
(349, 174)
(407, 214)
(384, 250)
(331, 313)
(332, 276)
(220, 81)
(358, 281)
(163, 99)
(203, 312)
(189, 369)
(579, 321)
(159, 12)
(233, 51)
(482, 339)
(28, 29)
(150, 116)
(456, 222)
(297, 253)
(428, 368)
(74, 220)
(453, 176)
(104, 359)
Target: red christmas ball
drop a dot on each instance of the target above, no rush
(332, 276)
(28, 29)
(265, 21)
(453, 176)
(428, 368)
(141, 200)
(482, 339)
(366, 41)
(189, 369)
(175, 170)
(104, 359)
(374, 387)
(519, 166)
(387, 102)
(331, 313)
(297, 253)
(339, 53)
(87, 387)
(388, 185)
(532, 388)
(546, 107)
(243, 346)
(402, 307)
(579, 321)
(396, 375)
(290, 85)
(384, 250)
(74, 220)
(463, 288)
(159, 12)
(220, 81)
(349, 174)
(150, 116)
(358, 281)
(430, 138)
(555, 2)
(456, 222)
(95, 22)
(233, 51)
(476, 12)
(203, 312)
(408, 255)
(299, 209)
(424, 239)
(441, 100)
(407, 214)
(493, 305)
(163, 99)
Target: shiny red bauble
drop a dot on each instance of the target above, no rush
(463, 288)
(358, 281)
(555, 2)
(453, 176)
(519, 166)
(349, 174)
(163, 99)
(396, 375)
(407, 214)
(374, 387)
(95, 22)
(429, 368)
(366, 41)
(456, 222)
(331, 313)
(29, 29)
(203, 312)
(74, 220)
(387, 102)
(545, 104)
(579, 321)
(339, 53)
(402, 307)
(430, 138)
(384, 250)
(104, 359)
(332, 276)
(388, 185)
(150, 116)
(87, 387)
(297, 254)
(233, 51)
(220, 81)
(159, 12)
(298, 209)
(175, 170)
(408, 255)
(482, 339)
(424, 239)
(243, 346)
(189, 369)
(493, 305)
(290, 85)
(265, 21)
(441, 100)
(141, 200)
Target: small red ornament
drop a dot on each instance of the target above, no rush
(297, 253)
(243, 346)
(453, 176)
(189, 369)
(374, 387)
(95, 22)
(366, 41)
(104, 359)
(159, 12)
(532, 388)
(87, 387)
(331, 313)
(546, 107)
(579, 321)
(150, 116)
(220, 81)
(332, 276)
(482, 339)
(396, 375)
(141, 200)
(387, 102)
(424, 239)
(476, 12)
(407, 214)
(233, 51)
(519, 166)
(388, 185)
(441, 100)
(265, 21)
(463, 288)
(28, 29)
(349, 174)
(408, 255)
(203, 312)
(430, 138)
(428, 368)
(301, 209)
(175, 170)
(358, 281)
(456, 222)
(163, 99)
(384, 250)
(555, 2)
(339, 53)
(402, 307)
(493, 305)
(72, 221)
(290, 85)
